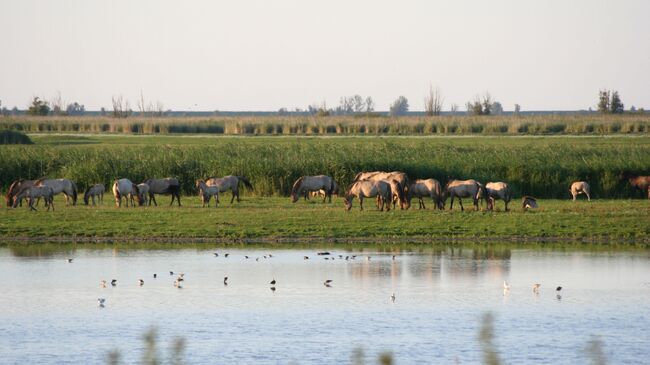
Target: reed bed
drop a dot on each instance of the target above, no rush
(578, 124)
(543, 167)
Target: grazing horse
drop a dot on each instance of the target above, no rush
(36, 192)
(229, 182)
(96, 190)
(641, 183)
(368, 189)
(143, 192)
(207, 192)
(426, 188)
(497, 190)
(167, 186)
(463, 189)
(307, 184)
(15, 188)
(580, 187)
(528, 202)
(124, 188)
(65, 186)
(397, 194)
(401, 178)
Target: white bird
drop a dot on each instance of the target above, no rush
(392, 298)
(101, 302)
(102, 284)
(536, 288)
(506, 286)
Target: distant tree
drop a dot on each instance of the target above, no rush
(517, 109)
(38, 107)
(283, 111)
(433, 102)
(102, 111)
(497, 108)
(454, 108)
(640, 110)
(487, 104)
(399, 107)
(603, 101)
(75, 109)
(358, 104)
(121, 107)
(14, 110)
(616, 105)
(370, 105)
(632, 109)
(58, 105)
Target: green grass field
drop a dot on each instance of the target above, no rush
(269, 219)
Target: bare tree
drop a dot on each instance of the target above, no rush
(454, 108)
(121, 108)
(141, 104)
(370, 105)
(57, 104)
(517, 109)
(433, 101)
(487, 104)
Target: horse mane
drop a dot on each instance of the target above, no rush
(296, 186)
(356, 177)
(10, 191)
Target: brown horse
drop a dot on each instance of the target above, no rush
(229, 182)
(429, 188)
(640, 183)
(497, 190)
(368, 189)
(580, 187)
(399, 176)
(15, 188)
(463, 189)
(307, 184)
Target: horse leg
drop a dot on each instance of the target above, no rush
(451, 206)
(238, 200)
(461, 204)
(588, 197)
(233, 196)
(361, 202)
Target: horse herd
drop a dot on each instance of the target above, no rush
(389, 189)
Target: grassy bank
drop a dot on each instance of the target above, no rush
(539, 166)
(278, 220)
(591, 124)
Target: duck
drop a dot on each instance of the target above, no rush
(141, 282)
(273, 281)
(114, 282)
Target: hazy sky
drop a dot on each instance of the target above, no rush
(263, 55)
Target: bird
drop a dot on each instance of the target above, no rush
(305, 257)
(327, 258)
(354, 257)
(273, 289)
(264, 256)
(102, 283)
(347, 258)
(270, 255)
(340, 256)
(171, 273)
(558, 289)
(141, 282)
(393, 257)
(246, 257)
(257, 259)
(101, 302)
(328, 282)
(536, 288)
(216, 254)
(506, 287)
(114, 282)
(392, 298)
(273, 281)
(225, 280)
(70, 260)
(226, 255)
(367, 258)
(177, 284)
(155, 276)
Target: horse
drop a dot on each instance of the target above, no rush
(641, 183)
(15, 188)
(397, 194)
(207, 192)
(167, 186)
(124, 188)
(497, 190)
(425, 188)
(33, 193)
(143, 192)
(368, 189)
(401, 178)
(580, 187)
(65, 186)
(96, 190)
(463, 189)
(528, 202)
(307, 184)
(229, 182)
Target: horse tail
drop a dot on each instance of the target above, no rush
(247, 183)
(332, 186)
(74, 192)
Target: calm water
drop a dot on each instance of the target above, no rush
(50, 313)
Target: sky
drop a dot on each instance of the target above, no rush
(263, 55)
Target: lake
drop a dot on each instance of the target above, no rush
(50, 313)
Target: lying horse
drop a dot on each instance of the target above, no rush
(463, 189)
(167, 186)
(307, 184)
(425, 188)
(15, 188)
(580, 187)
(34, 193)
(497, 190)
(96, 190)
(368, 189)
(207, 192)
(65, 186)
(229, 182)
(641, 183)
(401, 178)
(528, 202)
(124, 188)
